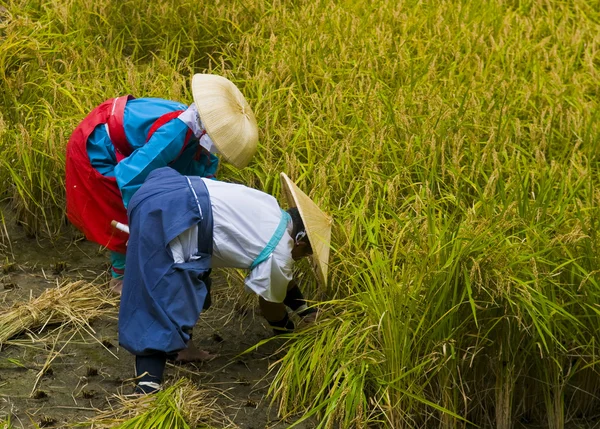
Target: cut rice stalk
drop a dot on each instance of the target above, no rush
(181, 405)
(74, 303)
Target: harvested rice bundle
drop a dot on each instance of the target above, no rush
(74, 303)
(181, 406)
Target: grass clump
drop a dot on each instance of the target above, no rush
(180, 406)
(5, 423)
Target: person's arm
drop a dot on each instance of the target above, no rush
(164, 146)
(270, 280)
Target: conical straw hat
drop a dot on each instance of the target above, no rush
(317, 224)
(227, 117)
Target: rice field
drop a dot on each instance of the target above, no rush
(455, 143)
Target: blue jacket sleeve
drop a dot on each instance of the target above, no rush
(162, 148)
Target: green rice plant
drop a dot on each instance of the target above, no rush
(5, 423)
(470, 192)
(180, 406)
(5, 243)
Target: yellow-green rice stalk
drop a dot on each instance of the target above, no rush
(72, 303)
(455, 143)
(180, 406)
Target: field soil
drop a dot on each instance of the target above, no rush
(87, 369)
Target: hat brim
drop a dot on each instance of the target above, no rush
(316, 222)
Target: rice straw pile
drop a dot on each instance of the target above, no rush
(74, 303)
(181, 406)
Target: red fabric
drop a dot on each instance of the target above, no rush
(200, 150)
(116, 129)
(162, 121)
(94, 200)
(118, 271)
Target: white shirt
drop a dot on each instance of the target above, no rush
(244, 220)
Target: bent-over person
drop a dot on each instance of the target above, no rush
(116, 146)
(183, 226)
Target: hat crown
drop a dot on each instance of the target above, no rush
(227, 117)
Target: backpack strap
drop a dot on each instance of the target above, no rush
(114, 123)
(167, 117)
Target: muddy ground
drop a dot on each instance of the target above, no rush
(90, 369)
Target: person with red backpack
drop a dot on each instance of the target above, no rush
(116, 146)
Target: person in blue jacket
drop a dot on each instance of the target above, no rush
(112, 151)
(183, 226)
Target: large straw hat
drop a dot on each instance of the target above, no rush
(317, 224)
(227, 117)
